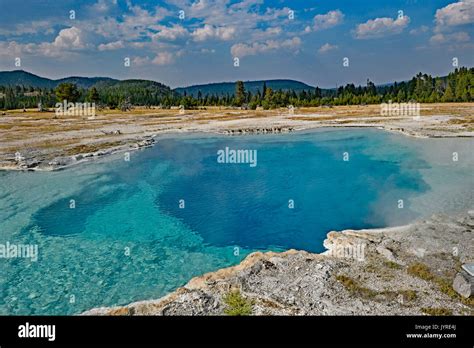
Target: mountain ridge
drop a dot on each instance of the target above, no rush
(25, 78)
(28, 79)
(223, 88)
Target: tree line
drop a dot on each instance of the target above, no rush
(422, 88)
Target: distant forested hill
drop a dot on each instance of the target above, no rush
(22, 89)
(26, 79)
(224, 88)
(138, 92)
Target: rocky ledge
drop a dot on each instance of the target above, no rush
(34, 161)
(407, 270)
(257, 130)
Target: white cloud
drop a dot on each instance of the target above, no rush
(141, 18)
(34, 27)
(422, 29)
(132, 26)
(245, 4)
(241, 50)
(148, 31)
(10, 49)
(291, 43)
(211, 32)
(68, 41)
(380, 27)
(104, 5)
(70, 38)
(171, 33)
(267, 33)
(327, 47)
(111, 46)
(454, 14)
(163, 58)
(328, 20)
(138, 61)
(440, 38)
(244, 18)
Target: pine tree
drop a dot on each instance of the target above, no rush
(67, 91)
(93, 95)
(239, 93)
(448, 94)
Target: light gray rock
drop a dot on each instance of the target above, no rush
(463, 284)
(385, 252)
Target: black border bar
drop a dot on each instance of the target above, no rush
(323, 330)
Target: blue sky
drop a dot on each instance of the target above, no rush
(306, 40)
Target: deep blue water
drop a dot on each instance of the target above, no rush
(135, 206)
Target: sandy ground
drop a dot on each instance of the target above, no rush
(41, 141)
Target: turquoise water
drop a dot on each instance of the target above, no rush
(128, 239)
